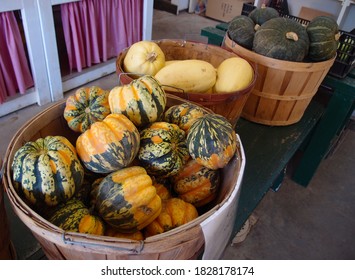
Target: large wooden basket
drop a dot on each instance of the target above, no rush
(205, 236)
(229, 105)
(7, 250)
(283, 89)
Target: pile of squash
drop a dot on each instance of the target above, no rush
(138, 168)
(268, 34)
(187, 75)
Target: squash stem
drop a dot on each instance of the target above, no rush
(152, 56)
(292, 36)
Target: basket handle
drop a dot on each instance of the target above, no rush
(68, 240)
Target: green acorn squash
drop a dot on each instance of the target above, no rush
(211, 141)
(47, 170)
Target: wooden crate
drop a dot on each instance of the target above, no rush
(200, 237)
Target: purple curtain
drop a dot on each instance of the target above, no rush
(97, 30)
(15, 75)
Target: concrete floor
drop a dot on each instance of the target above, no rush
(317, 222)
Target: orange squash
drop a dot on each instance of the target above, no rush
(175, 212)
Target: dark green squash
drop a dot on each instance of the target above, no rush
(163, 150)
(241, 30)
(212, 141)
(263, 14)
(282, 38)
(323, 35)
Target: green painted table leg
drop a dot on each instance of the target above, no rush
(338, 111)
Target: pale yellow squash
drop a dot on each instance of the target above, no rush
(233, 74)
(194, 76)
(144, 57)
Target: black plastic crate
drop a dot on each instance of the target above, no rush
(345, 60)
(247, 8)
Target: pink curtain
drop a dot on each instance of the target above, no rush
(97, 30)
(15, 75)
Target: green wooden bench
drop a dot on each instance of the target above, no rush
(268, 150)
(215, 34)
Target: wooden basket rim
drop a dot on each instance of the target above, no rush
(277, 63)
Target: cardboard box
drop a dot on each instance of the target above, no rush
(309, 13)
(225, 10)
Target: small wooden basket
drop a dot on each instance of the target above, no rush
(197, 238)
(229, 105)
(283, 89)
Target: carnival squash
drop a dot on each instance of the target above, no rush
(74, 216)
(183, 115)
(175, 212)
(211, 141)
(282, 38)
(163, 150)
(143, 101)
(108, 145)
(196, 183)
(86, 106)
(48, 171)
(127, 199)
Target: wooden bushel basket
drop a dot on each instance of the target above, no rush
(205, 237)
(229, 105)
(283, 89)
(7, 250)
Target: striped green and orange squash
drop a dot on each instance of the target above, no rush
(174, 213)
(48, 171)
(183, 115)
(196, 183)
(163, 150)
(74, 216)
(108, 145)
(323, 35)
(212, 141)
(143, 101)
(86, 106)
(127, 199)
